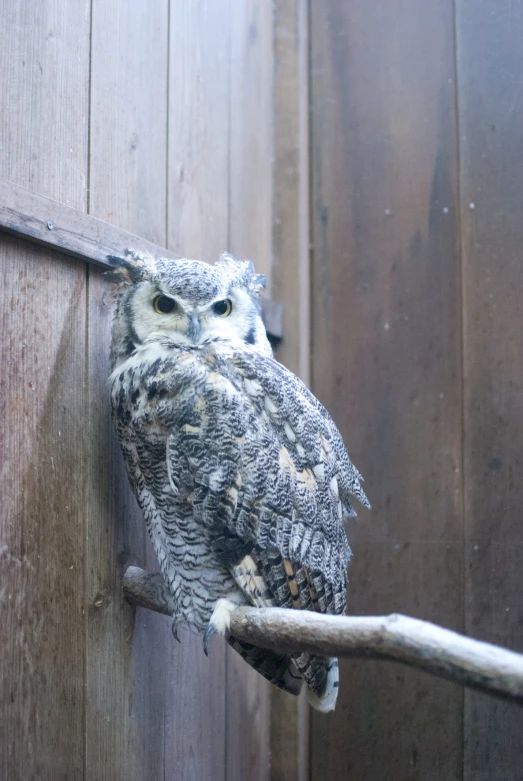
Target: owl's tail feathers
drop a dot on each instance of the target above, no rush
(279, 669)
(322, 677)
(326, 701)
(319, 673)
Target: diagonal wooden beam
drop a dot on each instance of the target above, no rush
(54, 225)
(34, 217)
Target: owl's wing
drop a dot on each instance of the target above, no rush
(271, 478)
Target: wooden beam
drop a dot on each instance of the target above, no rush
(397, 638)
(54, 225)
(35, 218)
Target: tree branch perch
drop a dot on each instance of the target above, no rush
(398, 638)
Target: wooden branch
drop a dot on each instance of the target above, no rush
(35, 218)
(398, 638)
(147, 589)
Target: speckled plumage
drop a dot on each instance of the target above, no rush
(241, 474)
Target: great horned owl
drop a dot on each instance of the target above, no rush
(241, 474)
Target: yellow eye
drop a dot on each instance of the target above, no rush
(164, 305)
(222, 308)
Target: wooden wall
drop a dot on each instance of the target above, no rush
(417, 193)
(367, 157)
(158, 118)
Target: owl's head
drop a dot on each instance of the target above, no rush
(188, 301)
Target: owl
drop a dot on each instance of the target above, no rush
(241, 474)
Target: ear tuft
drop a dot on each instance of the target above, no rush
(226, 257)
(254, 282)
(129, 270)
(257, 283)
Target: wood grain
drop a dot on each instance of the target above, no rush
(128, 129)
(198, 177)
(490, 99)
(250, 236)
(129, 693)
(291, 284)
(251, 134)
(290, 726)
(43, 141)
(42, 402)
(386, 354)
(291, 274)
(44, 61)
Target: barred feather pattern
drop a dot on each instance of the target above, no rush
(230, 456)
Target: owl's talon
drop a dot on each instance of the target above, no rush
(220, 620)
(174, 627)
(208, 634)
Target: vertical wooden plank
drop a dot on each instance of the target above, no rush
(198, 177)
(44, 61)
(128, 686)
(291, 284)
(250, 236)
(386, 358)
(43, 141)
(490, 68)
(290, 725)
(291, 273)
(198, 184)
(128, 143)
(251, 133)
(42, 431)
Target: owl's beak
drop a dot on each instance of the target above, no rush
(193, 331)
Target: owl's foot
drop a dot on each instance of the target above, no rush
(176, 623)
(220, 621)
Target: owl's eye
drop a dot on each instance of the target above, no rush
(164, 305)
(222, 308)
